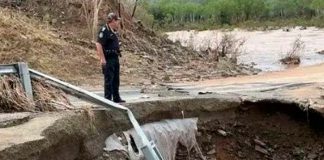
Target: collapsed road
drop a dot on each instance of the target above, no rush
(275, 115)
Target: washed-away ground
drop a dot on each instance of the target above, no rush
(276, 115)
(286, 122)
(263, 131)
(235, 127)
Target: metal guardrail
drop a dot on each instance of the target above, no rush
(149, 149)
(22, 70)
(8, 69)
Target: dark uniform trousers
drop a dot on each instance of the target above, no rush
(110, 43)
(111, 74)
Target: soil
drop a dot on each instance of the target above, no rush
(53, 37)
(267, 131)
(255, 131)
(264, 130)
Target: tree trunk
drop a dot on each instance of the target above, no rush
(134, 10)
(120, 15)
(96, 8)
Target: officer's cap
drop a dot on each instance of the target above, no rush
(112, 16)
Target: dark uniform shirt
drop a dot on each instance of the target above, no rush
(109, 41)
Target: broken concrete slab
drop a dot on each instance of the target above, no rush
(79, 135)
(11, 119)
(30, 131)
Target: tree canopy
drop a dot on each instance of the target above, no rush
(232, 11)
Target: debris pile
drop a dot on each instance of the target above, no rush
(46, 97)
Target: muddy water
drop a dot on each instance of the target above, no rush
(264, 48)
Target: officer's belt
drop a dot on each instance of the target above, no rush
(110, 51)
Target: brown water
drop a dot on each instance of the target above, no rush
(264, 48)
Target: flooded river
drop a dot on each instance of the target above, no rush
(263, 48)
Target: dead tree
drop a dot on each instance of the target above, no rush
(134, 10)
(96, 8)
(90, 13)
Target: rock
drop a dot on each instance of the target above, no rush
(244, 108)
(146, 82)
(54, 21)
(145, 96)
(258, 142)
(240, 154)
(213, 151)
(221, 132)
(261, 150)
(238, 124)
(166, 78)
(321, 155)
(297, 151)
(160, 68)
(312, 156)
(303, 28)
(247, 143)
(199, 134)
(46, 17)
(321, 52)
(209, 137)
(286, 29)
(204, 92)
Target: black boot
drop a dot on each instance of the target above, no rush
(119, 100)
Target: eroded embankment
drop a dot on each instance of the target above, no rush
(252, 130)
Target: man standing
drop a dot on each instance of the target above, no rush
(108, 51)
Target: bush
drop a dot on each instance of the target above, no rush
(229, 46)
(293, 56)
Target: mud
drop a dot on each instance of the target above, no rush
(262, 48)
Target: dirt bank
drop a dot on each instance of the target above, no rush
(263, 130)
(75, 135)
(53, 37)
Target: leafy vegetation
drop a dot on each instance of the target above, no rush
(198, 13)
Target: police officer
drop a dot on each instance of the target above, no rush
(108, 51)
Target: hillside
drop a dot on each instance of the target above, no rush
(52, 37)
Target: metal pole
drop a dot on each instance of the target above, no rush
(22, 70)
(149, 149)
(25, 79)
